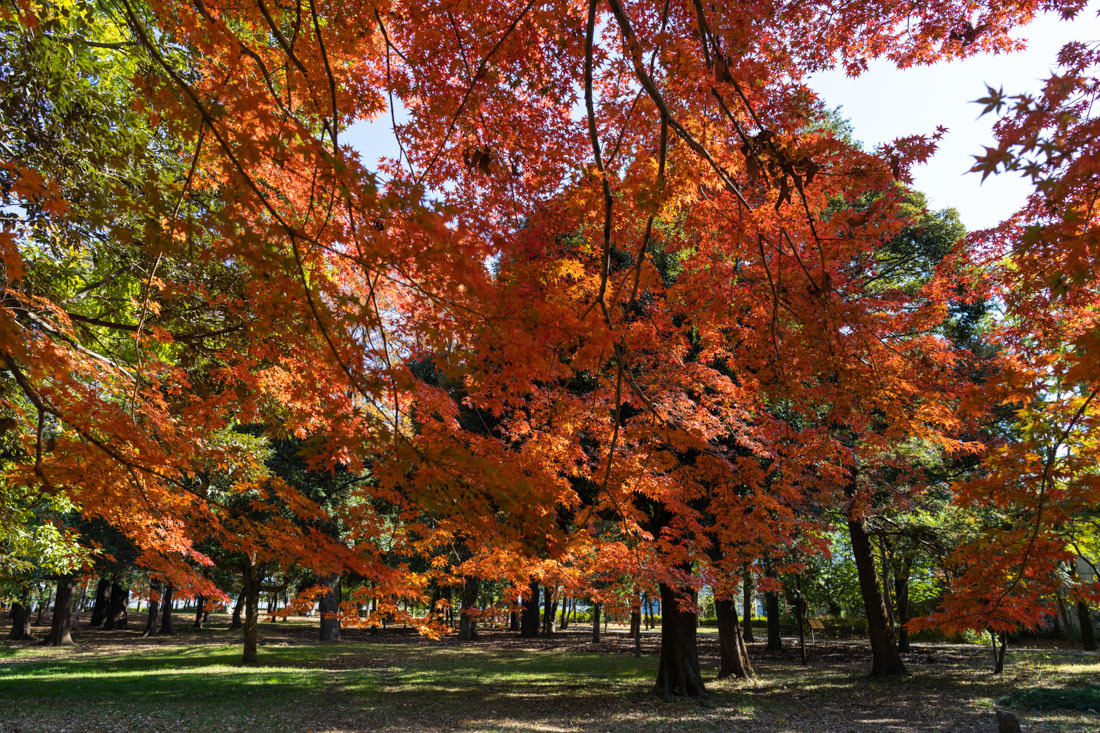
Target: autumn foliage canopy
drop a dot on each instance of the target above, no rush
(625, 309)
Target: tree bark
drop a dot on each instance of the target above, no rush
(61, 625)
(235, 621)
(251, 593)
(1007, 722)
(746, 607)
(529, 620)
(467, 622)
(1088, 631)
(901, 598)
(564, 623)
(329, 608)
(771, 610)
(200, 612)
(678, 672)
(800, 612)
(116, 610)
(884, 651)
(166, 611)
(151, 626)
(513, 621)
(21, 620)
(999, 653)
(547, 611)
(595, 623)
(731, 645)
(102, 598)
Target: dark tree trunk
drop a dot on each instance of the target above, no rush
(1088, 633)
(885, 660)
(901, 597)
(61, 625)
(102, 598)
(595, 623)
(1007, 722)
(771, 609)
(513, 621)
(21, 621)
(547, 611)
(251, 593)
(116, 609)
(635, 623)
(329, 608)
(884, 562)
(564, 623)
(166, 611)
(999, 653)
(151, 626)
(678, 672)
(79, 605)
(746, 607)
(467, 622)
(800, 612)
(235, 620)
(529, 622)
(200, 612)
(731, 645)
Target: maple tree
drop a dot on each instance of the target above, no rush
(622, 314)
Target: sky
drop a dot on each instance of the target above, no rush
(885, 103)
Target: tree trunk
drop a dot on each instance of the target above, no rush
(800, 612)
(200, 612)
(151, 626)
(771, 610)
(901, 597)
(235, 621)
(329, 608)
(635, 623)
(251, 594)
(116, 609)
(731, 645)
(595, 623)
(1063, 617)
(102, 598)
(564, 623)
(529, 621)
(513, 621)
(467, 622)
(999, 653)
(21, 620)
(79, 605)
(746, 608)
(678, 672)
(1007, 722)
(61, 625)
(166, 611)
(884, 651)
(887, 602)
(547, 611)
(1088, 633)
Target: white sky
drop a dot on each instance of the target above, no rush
(885, 103)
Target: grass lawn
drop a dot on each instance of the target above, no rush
(395, 681)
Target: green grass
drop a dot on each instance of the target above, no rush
(1071, 698)
(194, 681)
